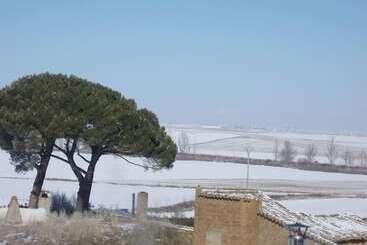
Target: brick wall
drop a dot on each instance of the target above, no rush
(235, 220)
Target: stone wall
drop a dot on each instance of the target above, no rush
(225, 222)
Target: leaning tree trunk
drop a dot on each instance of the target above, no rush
(83, 197)
(40, 177)
(85, 188)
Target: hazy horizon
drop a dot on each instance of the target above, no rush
(276, 65)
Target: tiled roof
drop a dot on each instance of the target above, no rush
(325, 229)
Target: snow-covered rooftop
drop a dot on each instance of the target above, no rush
(325, 229)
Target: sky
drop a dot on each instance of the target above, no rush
(274, 64)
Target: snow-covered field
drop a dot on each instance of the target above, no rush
(116, 180)
(355, 206)
(231, 142)
(28, 215)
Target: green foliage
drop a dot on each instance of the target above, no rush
(40, 108)
(24, 161)
(36, 110)
(120, 128)
(6, 140)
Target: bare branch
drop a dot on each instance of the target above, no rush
(348, 157)
(248, 149)
(183, 143)
(60, 149)
(362, 157)
(82, 157)
(59, 158)
(66, 161)
(311, 152)
(80, 169)
(288, 153)
(137, 164)
(276, 150)
(331, 151)
(77, 170)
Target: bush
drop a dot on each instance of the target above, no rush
(60, 203)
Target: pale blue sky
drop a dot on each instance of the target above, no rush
(301, 64)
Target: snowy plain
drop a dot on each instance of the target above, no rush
(116, 180)
(231, 142)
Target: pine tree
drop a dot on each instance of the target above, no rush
(39, 109)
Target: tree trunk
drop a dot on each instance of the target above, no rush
(40, 177)
(83, 196)
(85, 188)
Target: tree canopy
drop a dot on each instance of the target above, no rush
(109, 123)
(39, 109)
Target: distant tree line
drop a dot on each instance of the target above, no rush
(288, 153)
(184, 144)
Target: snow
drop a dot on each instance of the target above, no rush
(28, 215)
(231, 142)
(353, 206)
(111, 168)
(112, 171)
(327, 228)
(184, 214)
(106, 195)
(199, 134)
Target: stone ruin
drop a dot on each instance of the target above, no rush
(13, 215)
(142, 207)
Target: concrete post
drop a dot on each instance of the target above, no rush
(142, 207)
(13, 215)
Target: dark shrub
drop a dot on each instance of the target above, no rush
(60, 203)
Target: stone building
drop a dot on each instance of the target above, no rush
(252, 218)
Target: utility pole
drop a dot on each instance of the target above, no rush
(248, 149)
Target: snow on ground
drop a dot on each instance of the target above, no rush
(184, 214)
(28, 215)
(114, 169)
(355, 206)
(199, 134)
(106, 195)
(204, 139)
(231, 142)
